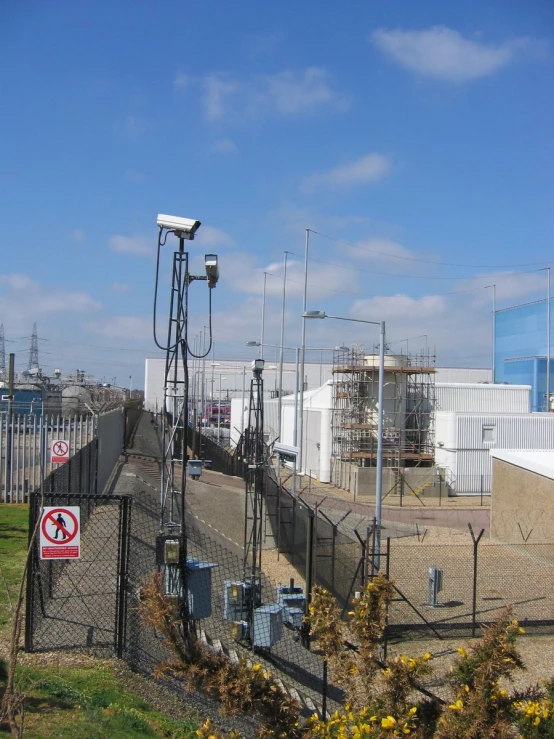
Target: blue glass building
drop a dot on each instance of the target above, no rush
(521, 348)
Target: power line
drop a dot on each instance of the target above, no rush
(427, 261)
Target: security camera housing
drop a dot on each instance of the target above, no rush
(212, 270)
(183, 227)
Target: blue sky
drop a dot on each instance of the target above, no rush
(418, 135)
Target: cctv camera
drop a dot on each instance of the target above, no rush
(183, 227)
(212, 270)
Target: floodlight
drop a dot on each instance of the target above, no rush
(212, 270)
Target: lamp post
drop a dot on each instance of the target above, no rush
(219, 411)
(379, 475)
(281, 348)
(493, 330)
(295, 422)
(263, 320)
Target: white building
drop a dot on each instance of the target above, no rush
(226, 378)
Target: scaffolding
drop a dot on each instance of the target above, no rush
(408, 432)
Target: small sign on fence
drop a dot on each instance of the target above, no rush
(59, 451)
(60, 533)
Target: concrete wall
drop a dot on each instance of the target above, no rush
(111, 435)
(412, 480)
(521, 497)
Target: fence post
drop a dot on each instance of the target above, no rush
(324, 692)
(30, 577)
(474, 601)
(305, 634)
(122, 590)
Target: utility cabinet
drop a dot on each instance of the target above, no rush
(268, 625)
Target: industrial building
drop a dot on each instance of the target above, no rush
(226, 378)
(432, 430)
(521, 347)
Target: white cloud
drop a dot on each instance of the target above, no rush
(298, 92)
(77, 236)
(381, 250)
(224, 146)
(120, 288)
(369, 168)
(138, 246)
(294, 218)
(208, 236)
(182, 81)
(218, 88)
(445, 54)
(127, 327)
(23, 300)
(287, 93)
(509, 286)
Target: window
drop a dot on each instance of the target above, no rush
(489, 433)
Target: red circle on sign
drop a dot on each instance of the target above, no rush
(50, 517)
(60, 448)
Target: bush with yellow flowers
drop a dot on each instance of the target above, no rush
(481, 708)
(236, 686)
(382, 695)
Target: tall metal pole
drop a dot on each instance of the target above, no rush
(9, 436)
(263, 321)
(548, 344)
(494, 333)
(280, 400)
(303, 356)
(242, 405)
(219, 413)
(493, 330)
(295, 423)
(379, 475)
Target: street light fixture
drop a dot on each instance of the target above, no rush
(379, 474)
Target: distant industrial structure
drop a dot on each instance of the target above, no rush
(36, 393)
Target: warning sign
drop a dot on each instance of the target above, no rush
(60, 533)
(59, 451)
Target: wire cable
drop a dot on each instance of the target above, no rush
(427, 261)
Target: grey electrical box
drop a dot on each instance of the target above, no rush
(237, 601)
(268, 625)
(199, 586)
(293, 602)
(435, 585)
(194, 468)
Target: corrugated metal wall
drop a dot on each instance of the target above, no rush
(476, 398)
(474, 464)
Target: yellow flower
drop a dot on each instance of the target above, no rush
(457, 707)
(256, 668)
(521, 630)
(413, 710)
(462, 652)
(427, 656)
(388, 723)
(537, 721)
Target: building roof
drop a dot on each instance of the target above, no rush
(540, 461)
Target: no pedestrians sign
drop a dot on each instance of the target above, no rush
(59, 451)
(60, 533)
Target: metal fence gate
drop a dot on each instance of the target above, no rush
(81, 603)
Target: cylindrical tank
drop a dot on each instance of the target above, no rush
(394, 396)
(74, 398)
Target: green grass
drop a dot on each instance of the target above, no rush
(73, 703)
(14, 521)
